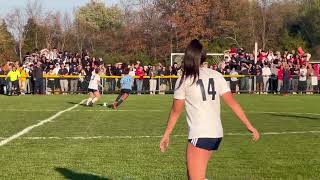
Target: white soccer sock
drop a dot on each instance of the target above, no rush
(94, 100)
(88, 101)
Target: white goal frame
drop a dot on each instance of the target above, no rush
(181, 54)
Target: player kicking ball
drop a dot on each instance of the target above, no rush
(93, 88)
(199, 91)
(126, 87)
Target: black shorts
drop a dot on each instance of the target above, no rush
(210, 144)
(125, 91)
(92, 90)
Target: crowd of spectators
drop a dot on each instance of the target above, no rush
(39, 70)
(271, 72)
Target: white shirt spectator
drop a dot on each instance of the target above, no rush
(132, 73)
(266, 71)
(234, 73)
(56, 70)
(303, 74)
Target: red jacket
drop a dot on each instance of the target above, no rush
(280, 74)
(140, 73)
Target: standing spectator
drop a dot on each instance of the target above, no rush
(259, 80)
(251, 72)
(110, 81)
(139, 81)
(266, 73)
(280, 78)
(146, 84)
(28, 81)
(244, 82)
(309, 77)
(174, 72)
(63, 81)
(286, 79)
(163, 81)
(295, 71)
(82, 76)
(37, 75)
(274, 79)
(316, 72)
(74, 71)
(152, 81)
(234, 80)
(302, 85)
(2, 82)
(51, 81)
(14, 76)
(23, 80)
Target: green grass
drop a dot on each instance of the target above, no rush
(278, 156)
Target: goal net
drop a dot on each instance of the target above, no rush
(212, 58)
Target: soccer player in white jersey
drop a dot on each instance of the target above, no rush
(199, 90)
(94, 88)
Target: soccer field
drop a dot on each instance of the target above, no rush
(100, 143)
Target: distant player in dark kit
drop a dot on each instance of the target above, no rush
(126, 87)
(94, 88)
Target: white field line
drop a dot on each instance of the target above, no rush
(28, 129)
(144, 137)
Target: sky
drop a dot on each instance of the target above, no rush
(60, 5)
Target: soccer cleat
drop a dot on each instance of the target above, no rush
(114, 106)
(90, 104)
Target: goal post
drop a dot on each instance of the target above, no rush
(215, 58)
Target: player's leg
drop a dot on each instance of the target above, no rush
(96, 96)
(123, 98)
(197, 161)
(89, 100)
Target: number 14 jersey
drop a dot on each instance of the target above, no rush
(202, 103)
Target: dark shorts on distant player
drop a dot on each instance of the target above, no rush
(210, 144)
(125, 91)
(92, 90)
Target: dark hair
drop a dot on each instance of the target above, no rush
(97, 70)
(193, 58)
(126, 70)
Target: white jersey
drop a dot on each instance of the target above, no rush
(93, 84)
(203, 103)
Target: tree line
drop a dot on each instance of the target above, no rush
(149, 30)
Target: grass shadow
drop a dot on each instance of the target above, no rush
(69, 174)
(73, 102)
(294, 116)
